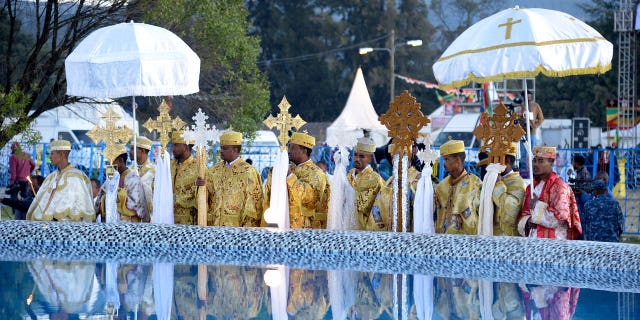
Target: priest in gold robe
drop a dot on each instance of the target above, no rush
(146, 169)
(457, 197)
(184, 172)
(382, 209)
(508, 197)
(131, 202)
(366, 183)
(65, 195)
(307, 186)
(234, 186)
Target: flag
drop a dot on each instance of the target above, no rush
(612, 118)
(440, 99)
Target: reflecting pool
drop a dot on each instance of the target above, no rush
(127, 271)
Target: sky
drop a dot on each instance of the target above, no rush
(569, 6)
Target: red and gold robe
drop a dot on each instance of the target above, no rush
(555, 213)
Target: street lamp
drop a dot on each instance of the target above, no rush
(392, 53)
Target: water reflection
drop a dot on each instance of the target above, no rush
(72, 290)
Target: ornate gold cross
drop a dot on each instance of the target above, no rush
(404, 119)
(283, 122)
(497, 132)
(164, 124)
(509, 24)
(110, 134)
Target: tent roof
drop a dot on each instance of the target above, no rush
(358, 112)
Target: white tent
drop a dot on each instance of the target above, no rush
(358, 114)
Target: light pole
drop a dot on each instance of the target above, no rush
(392, 54)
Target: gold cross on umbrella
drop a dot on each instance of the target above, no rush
(283, 122)
(404, 119)
(164, 124)
(497, 132)
(110, 134)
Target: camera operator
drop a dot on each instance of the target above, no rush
(24, 203)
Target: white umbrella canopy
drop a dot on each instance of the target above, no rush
(132, 59)
(521, 43)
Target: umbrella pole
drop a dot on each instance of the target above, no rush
(528, 144)
(135, 134)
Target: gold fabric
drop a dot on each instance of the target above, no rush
(508, 197)
(308, 294)
(308, 191)
(147, 173)
(451, 147)
(184, 177)
(185, 293)
(366, 185)
(365, 145)
(303, 139)
(457, 299)
(60, 145)
(237, 292)
(374, 296)
(231, 138)
(143, 142)
(383, 204)
(65, 195)
(132, 205)
(235, 195)
(507, 303)
(456, 204)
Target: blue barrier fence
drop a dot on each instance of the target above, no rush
(625, 179)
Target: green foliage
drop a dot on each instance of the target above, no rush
(234, 92)
(12, 106)
(310, 51)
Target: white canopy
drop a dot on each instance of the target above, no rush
(358, 114)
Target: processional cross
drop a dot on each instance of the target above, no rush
(283, 122)
(110, 134)
(202, 133)
(404, 119)
(497, 132)
(164, 124)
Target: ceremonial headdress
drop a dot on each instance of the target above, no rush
(60, 145)
(176, 137)
(513, 148)
(366, 145)
(231, 138)
(451, 147)
(143, 142)
(544, 152)
(303, 139)
(120, 149)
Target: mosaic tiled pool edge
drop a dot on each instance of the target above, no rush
(607, 266)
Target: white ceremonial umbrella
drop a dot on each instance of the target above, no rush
(521, 43)
(132, 59)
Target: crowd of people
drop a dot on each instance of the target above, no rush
(238, 196)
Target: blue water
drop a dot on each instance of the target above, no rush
(75, 290)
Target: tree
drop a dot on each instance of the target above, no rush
(233, 91)
(310, 50)
(32, 60)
